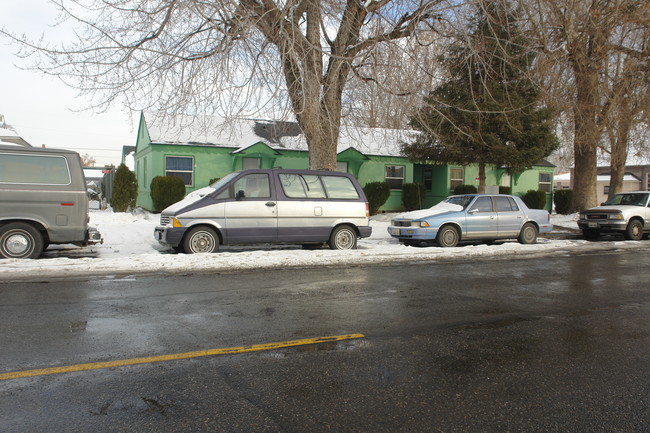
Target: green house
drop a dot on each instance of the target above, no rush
(199, 150)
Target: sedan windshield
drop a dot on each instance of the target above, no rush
(461, 200)
(630, 199)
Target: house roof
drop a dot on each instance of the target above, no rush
(277, 134)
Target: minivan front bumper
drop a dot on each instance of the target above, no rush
(169, 236)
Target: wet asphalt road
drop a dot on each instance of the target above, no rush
(544, 345)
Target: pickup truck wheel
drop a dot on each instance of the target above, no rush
(634, 231)
(343, 238)
(20, 241)
(201, 240)
(528, 234)
(448, 237)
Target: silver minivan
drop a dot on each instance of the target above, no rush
(43, 201)
(268, 205)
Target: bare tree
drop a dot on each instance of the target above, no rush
(581, 36)
(628, 108)
(231, 57)
(87, 160)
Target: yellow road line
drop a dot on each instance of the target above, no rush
(176, 356)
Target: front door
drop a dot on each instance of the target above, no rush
(252, 217)
(481, 219)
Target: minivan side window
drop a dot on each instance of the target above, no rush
(255, 185)
(301, 186)
(34, 169)
(339, 187)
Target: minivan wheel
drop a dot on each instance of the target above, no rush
(343, 238)
(634, 231)
(201, 240)
(528, 234)
(20, 241)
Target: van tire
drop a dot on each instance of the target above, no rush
(201, 240)
(343, 238)
(20, 241)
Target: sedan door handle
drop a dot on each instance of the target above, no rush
(270, 203)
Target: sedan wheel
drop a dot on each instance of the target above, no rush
(634, 231)
(448, 237)
(20, 241)
(528, 234)
(343, 238)
(201, 240)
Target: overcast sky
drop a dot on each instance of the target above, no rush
(45, 111)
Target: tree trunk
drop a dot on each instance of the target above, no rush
(619, 147)
(587, 135)
(481, 177)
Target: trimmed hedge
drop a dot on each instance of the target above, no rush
(125, 189)
(412, 196)
(377, 193)
(465, 189)
(563, 199)
(166, 190)
(535, 199)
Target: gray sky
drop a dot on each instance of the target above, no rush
(45, 111)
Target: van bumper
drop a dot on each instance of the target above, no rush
(93, 236)
(169, 236)
(365, 232)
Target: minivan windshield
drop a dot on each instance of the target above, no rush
(629, 199)
(223, 181)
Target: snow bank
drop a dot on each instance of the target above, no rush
(129, 248)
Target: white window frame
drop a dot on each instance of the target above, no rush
(452, 179)
(395, 178)
(167, 172)
(546, 184)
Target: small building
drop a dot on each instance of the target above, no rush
(201, 149)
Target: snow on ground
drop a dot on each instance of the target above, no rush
(129, 248)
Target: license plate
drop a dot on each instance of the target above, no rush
(593, 225)
(393, 231)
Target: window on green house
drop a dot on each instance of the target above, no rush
(395, 176)
(456, 177)
(428, 178)
(180, 166)
(545, 182)
(252, 163)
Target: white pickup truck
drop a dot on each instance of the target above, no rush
(627, 213)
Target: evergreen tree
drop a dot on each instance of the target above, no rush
(125, 189)
(487, 111)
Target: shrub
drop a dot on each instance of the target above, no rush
(412, 196)
(166, 190)
(125, 189)
(505, 190)
(377, 193)
(535, 199)
(213, 180)
(563, 199)
(465, 189)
